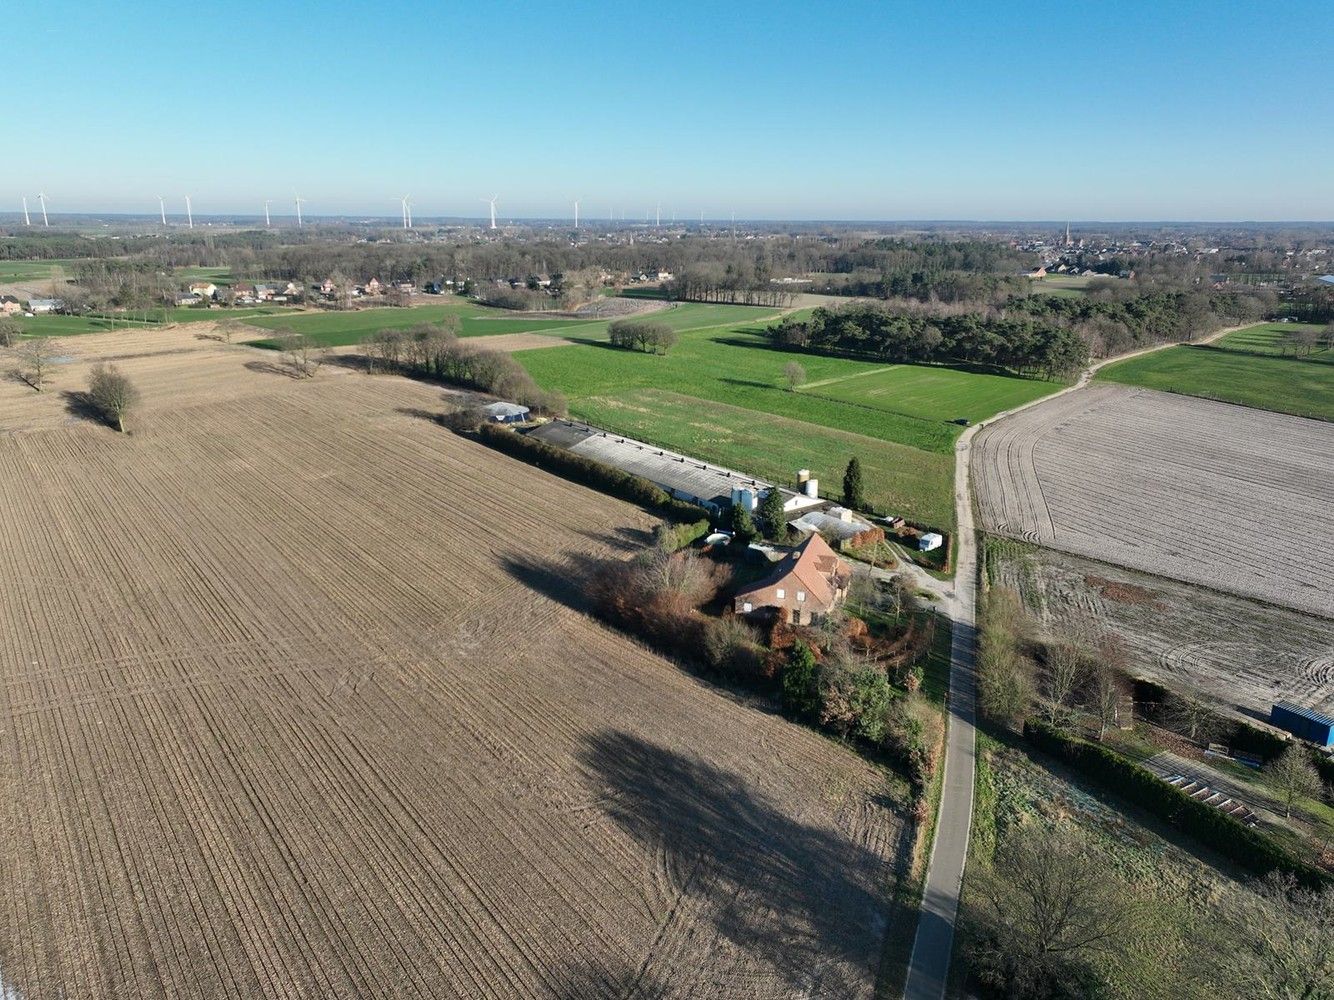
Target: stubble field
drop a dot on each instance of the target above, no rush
(1222, 496)
(298, 701)
(1221, 647)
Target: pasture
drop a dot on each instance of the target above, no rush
(1216, 495)
(273, 730)
(721, 393)
(341, 329)
(899, 478)
(933, 392)
(69, 326)
(18, 271)
(1251, 367)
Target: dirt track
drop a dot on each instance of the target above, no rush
(1223, 496)
(293, 703)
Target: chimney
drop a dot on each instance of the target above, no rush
(811, 487)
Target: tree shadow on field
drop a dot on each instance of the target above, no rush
(80, 404)
(623, 539)
(432, 416)
(748, 383)
(564, 582)
(799, 901)
(270, 368)
(612, 979)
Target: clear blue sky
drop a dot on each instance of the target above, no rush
(891, 110)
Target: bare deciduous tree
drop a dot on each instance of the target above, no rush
(1065, 664)
(1294, 776)
(1105, 693)
(1286, 942)
(301, 353)
(1050, 906)
(794, 374)
(112, 394)
(35, 360)
(10, 332)
(1191, 717)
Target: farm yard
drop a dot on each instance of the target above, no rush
(720, 395)
(1212, 494)
(272, 730)
(1219, 646)
(1253, 367)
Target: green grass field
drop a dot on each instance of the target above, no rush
(720, 394)
(32, 270)
(934, 393)
(899, 478)
(1247, 367)
(338, 329)
(70, 326)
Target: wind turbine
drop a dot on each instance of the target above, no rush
(45, 221)
(576, 213)
(26, 220)
(407, 213)
(162, 210)
(266, 213)
(299, 200)
(492, 202)
(189, 215)
(657, 216)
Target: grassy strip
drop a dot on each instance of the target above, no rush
(1247, 847)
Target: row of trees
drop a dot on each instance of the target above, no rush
(434, 350)
(873, 331)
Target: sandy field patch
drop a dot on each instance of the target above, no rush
(297, 700)
(1223, 496)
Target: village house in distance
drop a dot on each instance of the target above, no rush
(808, 583)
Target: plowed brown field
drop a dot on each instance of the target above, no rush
(296, 701)
(1213, 494)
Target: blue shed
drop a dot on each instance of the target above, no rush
(1303, 722)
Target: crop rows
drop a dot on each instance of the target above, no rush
(297, 700)
(1223, 496)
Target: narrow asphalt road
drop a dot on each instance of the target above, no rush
(928, 969)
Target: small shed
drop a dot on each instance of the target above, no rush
(506, 413)
(930, 541)
(1303, 722)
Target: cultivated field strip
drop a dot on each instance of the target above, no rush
(293, 704)
(1224, 496)
(1226, 648)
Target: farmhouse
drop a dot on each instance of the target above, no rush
(506, 413)
(204, 289)
(10, 306)
(807, 583)
(710, 486)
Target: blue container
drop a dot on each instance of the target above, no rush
(1303, 722)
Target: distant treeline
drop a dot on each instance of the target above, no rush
(873, 331)
(1045, 335)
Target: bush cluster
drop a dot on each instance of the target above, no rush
(1247, 847)
(642, 335)
(433, 350)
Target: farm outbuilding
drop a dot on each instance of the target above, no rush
(506, 413)
(1303, 722)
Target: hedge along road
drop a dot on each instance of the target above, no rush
(929, 966)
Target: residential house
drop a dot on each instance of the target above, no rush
(204, 289)
(328, 289)
(373, 287)
(805, 585)
(10, 306)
